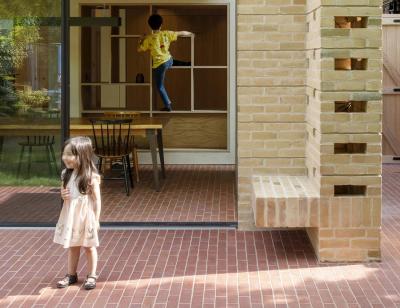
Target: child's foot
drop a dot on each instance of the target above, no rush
(166, 108)
(90, 282)
(67, 280)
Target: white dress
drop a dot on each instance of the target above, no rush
(77, 224)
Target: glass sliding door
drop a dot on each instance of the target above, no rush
(30, 109)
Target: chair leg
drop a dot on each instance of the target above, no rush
(136, 163)
(54, 158)
(21, 155)
(125, 175)
(29, 161)
(48, 158)
(99, 163)
(128, 165)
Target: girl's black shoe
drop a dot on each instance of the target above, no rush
(90, 284)
(67, 280)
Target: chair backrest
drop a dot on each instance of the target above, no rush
(39, 140)
(122, 114)
(112, 137)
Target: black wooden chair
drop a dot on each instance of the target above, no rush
(128, 115)
(44, 142)
(112, 140)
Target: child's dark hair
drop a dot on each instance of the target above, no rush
(82, 148)
(155, 21)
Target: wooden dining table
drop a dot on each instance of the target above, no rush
(149, 127)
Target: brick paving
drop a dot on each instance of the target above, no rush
(191, 193)
(204, 268)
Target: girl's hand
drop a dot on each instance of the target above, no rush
(65, 195)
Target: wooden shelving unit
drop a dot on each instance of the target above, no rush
(110, 61)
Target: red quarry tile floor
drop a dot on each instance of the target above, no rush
(190, 193)
(204, 268)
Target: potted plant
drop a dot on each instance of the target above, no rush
(36, 100)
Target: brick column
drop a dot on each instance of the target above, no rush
(271, 75)
(343, 118)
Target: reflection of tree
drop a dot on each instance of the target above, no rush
(39, 8)
(14, 44)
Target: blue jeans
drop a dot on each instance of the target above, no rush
(159, 76)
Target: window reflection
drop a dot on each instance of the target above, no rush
(30, 93)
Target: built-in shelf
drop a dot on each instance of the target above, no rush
(155, 111)
(125, 35)
(114, 83)
(193, 111)
(197, 67)
(111, 55)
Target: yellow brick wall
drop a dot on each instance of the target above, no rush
(272, 67)
(288, 81)
(349, 225)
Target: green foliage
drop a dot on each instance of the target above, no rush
(14, 48)
(15, 40)
(8, 98)
(34, 99)
(22, 8)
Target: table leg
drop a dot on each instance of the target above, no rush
(161, 151)
(151, 137)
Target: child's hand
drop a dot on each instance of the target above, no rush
(141, 39)
(65, 194)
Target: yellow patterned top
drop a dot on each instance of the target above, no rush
(158, 44)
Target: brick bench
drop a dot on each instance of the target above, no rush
(284, 201)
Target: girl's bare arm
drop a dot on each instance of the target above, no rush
(96, 196)
(64, 192)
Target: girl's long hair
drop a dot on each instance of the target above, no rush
(82, 148)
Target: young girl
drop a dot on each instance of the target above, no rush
(79, 218)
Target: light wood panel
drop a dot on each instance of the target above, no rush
(391, 125)
(391, 103)
(198, 131)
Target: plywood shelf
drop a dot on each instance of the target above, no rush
(115, 83)
(126, 35)
(158, 112)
